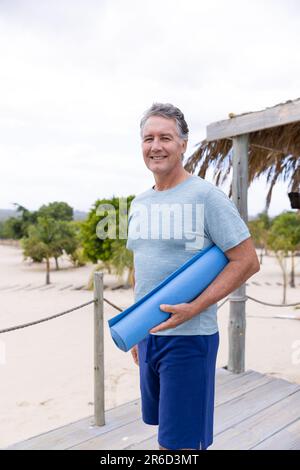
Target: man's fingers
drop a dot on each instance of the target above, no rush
(171, 322)
(167, 308)
(135, 356)
(163, 326)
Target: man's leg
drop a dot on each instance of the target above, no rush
(186, 392)
(149, 386)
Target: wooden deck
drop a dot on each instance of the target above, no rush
(253, 411)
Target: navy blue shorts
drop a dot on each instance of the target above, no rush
(177, 383)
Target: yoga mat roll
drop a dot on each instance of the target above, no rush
(182, 286)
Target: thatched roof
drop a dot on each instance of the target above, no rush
(273, 152)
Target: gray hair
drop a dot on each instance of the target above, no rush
(168, 111)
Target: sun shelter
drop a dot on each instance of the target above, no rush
(256, 143)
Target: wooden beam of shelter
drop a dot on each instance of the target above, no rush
(278, 115)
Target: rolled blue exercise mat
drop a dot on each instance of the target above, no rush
(182, 286)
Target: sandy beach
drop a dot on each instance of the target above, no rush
(46, 371)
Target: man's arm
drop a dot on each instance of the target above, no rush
(243, 263)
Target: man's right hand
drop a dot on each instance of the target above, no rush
(134, 352)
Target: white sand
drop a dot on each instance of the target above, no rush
(46, 376)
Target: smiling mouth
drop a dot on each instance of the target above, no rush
(158, 158)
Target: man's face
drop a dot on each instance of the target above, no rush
(162, 147)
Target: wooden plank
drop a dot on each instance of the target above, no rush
(228, 390)
(246, 405)
(279, 115)
(79, 431)
(147, 444)
(74, 433)
(244, 384)
(286, 439)
(250, 432)
(120, 437)
(138, 433)
(224, 376)
(240, 400)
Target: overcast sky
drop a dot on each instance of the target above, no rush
(76, 76)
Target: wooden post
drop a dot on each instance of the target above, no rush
(98, 351)
(237, 319)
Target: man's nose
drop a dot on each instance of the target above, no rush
(156, 145)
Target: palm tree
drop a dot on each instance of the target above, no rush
(122, 261)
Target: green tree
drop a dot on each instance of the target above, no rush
(259, 229)
(47, 239)
(67, 241)
(19, 225)
(12, 228)
(56, 210)
(73, 247)
(59, 210)
(16, 227)
(95, 248)
(122, 259)
(2, 229)
(111, 251)
(288, 225)
(284, 238)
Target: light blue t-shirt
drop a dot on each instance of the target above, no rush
(167, 228)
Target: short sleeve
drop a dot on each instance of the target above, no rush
(223, 223)
(128, 241)
(127, 244)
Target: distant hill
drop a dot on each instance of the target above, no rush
(7, 213)
(80, 215)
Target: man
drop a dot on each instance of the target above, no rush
(177, 360)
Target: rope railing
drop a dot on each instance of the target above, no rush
(272, 305)
(25, 325)
(260, 302)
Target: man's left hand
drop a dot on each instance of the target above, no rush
(180, 314)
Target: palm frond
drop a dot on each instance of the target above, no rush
(273, 153)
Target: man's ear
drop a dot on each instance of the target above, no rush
(184, 147)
